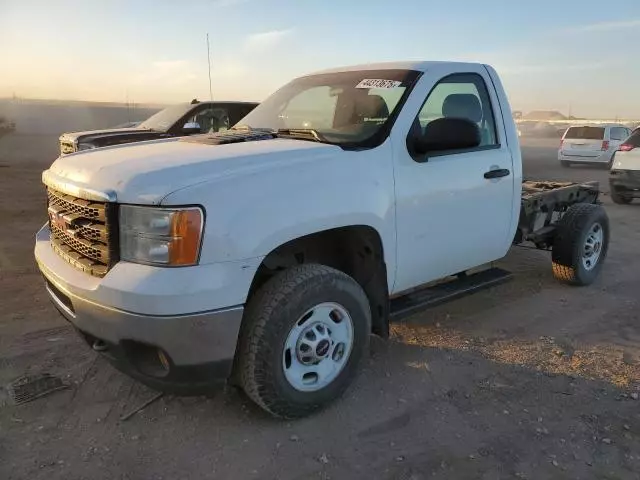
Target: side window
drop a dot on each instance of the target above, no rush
(461, 96)
(212, 120)
(617, 133)
(613, 134)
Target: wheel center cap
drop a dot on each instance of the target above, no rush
(322, 348)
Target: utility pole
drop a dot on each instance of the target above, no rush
(209, 61)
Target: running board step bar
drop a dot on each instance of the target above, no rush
(406, 305)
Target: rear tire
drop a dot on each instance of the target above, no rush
(581, 244)
(298, 325)
(565, 164)
(620, 198)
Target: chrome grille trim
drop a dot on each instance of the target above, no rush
(62, 185)
(83, 232)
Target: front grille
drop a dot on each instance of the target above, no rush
(66, 147)
(83, 232)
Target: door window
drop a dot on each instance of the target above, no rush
(461, 96)
(617, 133)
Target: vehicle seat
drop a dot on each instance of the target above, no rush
(462, 105)
(466, 105)
(206, 122)
(371, 107)
(354, 108)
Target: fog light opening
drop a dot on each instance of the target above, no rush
(99, 345)
(148, 359)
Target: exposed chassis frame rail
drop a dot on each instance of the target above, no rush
(543, 204)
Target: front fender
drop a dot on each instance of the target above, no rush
(250, 215)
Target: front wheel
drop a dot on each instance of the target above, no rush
(581, 243)
(565, 164)
(305, 332)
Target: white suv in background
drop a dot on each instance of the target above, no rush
(591, 144)
(624, 178)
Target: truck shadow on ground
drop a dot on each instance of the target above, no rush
(414, 412)
(521, 380)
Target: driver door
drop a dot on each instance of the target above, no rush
(450, 216)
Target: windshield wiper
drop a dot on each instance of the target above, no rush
(302, 134)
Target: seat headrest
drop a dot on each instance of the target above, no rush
(462, 105)
(354, 106)
(372, 106)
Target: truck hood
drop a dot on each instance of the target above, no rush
(96, 135)
(107, 132)
(147, 172)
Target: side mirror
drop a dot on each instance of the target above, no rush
(191, 127)
(447, 134)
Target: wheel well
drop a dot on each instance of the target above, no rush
(354, 250)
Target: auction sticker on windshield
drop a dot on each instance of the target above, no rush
(378, 83)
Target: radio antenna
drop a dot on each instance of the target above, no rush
(209, 61)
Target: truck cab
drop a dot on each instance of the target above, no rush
(267, 254)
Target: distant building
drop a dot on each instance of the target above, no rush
(544, 115)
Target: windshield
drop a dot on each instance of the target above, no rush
(345, 108)
(164, 119)
(585, 133)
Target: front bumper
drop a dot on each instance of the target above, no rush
(198, 349)
(626, 182)
(173, 329)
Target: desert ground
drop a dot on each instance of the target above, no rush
(530, 379)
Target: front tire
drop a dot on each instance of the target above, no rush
(565, 164)
(581, 244)
(304, 334)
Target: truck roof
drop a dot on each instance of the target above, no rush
(420, 66)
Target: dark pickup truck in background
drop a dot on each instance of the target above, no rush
(175, 121)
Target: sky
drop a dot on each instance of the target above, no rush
(569, 55)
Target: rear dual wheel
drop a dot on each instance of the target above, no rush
(581, 244)
(305, 332)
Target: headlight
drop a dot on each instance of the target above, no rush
(160, 236)
(85, 146)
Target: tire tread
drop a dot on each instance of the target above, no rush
(256, 342)
(568, 235)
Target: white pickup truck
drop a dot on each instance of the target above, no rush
(267, 255)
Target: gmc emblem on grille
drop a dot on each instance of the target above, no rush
(57, 219)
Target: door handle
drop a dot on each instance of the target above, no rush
(497, 173)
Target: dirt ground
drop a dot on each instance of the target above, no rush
(530, 379)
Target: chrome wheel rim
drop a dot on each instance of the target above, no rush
(592, 249)
(318, 347)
